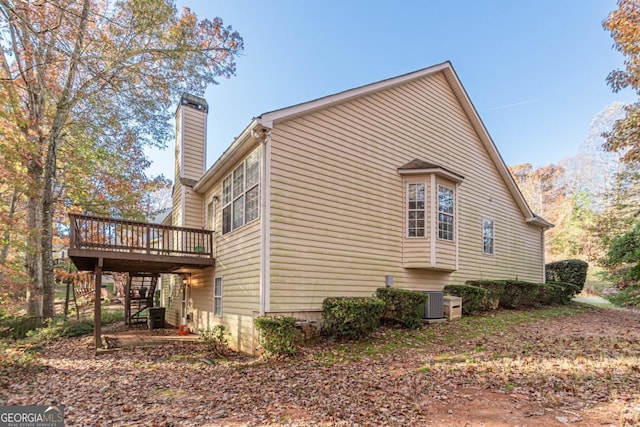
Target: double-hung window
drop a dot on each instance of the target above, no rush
(416, 210)
(488, 236)
(217, 296)
(445, 213)
(241, 194)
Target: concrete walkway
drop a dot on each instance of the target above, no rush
(595, 300)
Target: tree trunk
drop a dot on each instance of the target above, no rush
(48, 281)
(54, 139)
(33, 255)
(7, 234)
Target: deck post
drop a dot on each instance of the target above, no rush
(127, 301)
(97, 313)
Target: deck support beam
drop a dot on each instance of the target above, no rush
(97, 312)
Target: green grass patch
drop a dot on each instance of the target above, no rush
(58, 327)
(388, 340)
(627, 297)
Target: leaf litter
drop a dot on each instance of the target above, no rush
(503, 368)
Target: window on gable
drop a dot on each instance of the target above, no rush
(445, 213)
(416, 210)
(217, 296)
(241, 194)
(488, 236)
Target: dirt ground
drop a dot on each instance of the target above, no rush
(579, 370)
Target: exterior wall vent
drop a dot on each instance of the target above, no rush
(434, 307)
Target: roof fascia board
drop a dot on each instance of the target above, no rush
(536, 220)
(268, 119)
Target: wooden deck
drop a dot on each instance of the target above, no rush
(131, 246)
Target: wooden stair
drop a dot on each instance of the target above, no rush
(141, 288)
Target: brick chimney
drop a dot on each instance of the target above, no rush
(191, 142)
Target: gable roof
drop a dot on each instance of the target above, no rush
(267, 120)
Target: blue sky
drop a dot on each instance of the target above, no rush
(535, 70)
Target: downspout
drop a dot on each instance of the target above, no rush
(544, 269)
(263, 135)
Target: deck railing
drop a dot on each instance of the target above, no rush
(116, 235)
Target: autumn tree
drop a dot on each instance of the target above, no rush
(624, 139)
(89, 84)
(544, 189)
(624, 25)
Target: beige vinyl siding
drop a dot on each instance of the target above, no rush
(171, 290)
(193, 209)
(238, 263)
(176, 212)
(178, 152)
(337, 210)
(193, 137)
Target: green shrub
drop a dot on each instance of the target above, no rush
(568, 271)
(109, 317)
(557, 292)
(279, 335)
(58, 328)
(215, 338)
(402, 306)
(547, 294)
(627, 297)
(351, 317)
(472, 297)
(519, 294)
(494, 288)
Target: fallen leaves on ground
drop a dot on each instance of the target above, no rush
(583, 368)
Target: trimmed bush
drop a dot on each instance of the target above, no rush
(547, 294)
(519, 294)
(568, 271)
(351, 317)
(402, 306)
(494, 288)
(558, 292)
(279, 335)
(472, 297)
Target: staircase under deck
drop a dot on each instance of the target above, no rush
(130, 246)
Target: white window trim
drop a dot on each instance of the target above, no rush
(452, 215)
(245, 190)
(406, 212)
(218, 297)
(493, 236)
